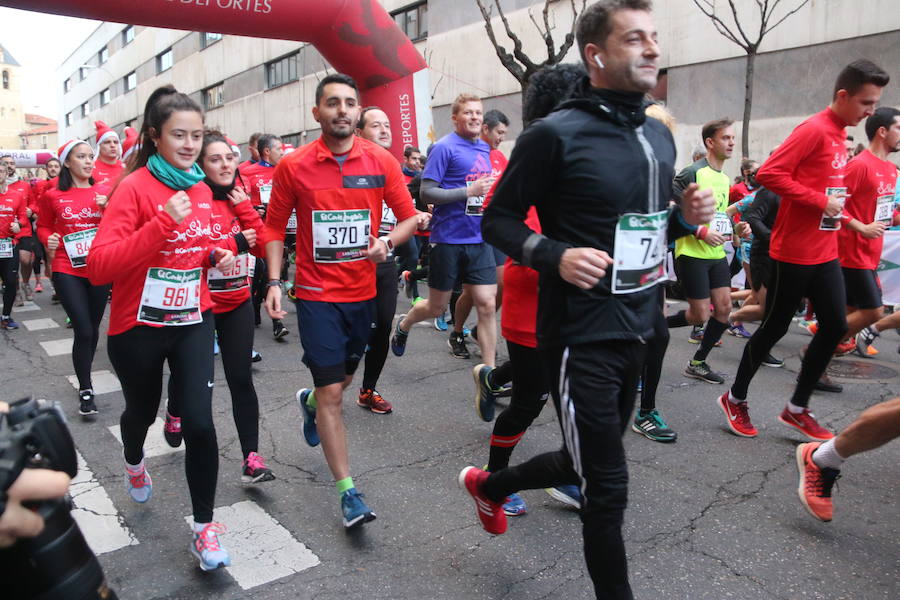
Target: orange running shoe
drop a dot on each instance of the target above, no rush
(815, 483)
(805, 422)
(738, 416)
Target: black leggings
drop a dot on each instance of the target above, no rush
(9, 272)
(235, 332)
(788, 283)
(656, 354)
(529, 395)
(593, 387)
(385, 306)
(137, 355)
(84, 304)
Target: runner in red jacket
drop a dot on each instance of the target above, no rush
(155, 243)
(38, 188)
(108, 169)
(69, 216)
(232, 217)
(13, 219)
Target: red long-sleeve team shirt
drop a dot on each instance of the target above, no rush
(137, 239)
(338, 207)
(258, 180)
(75, 216)
(802, 169)
(870, 197)
(23, 188)
(518, 321)
(12, 210)
(229, 289)
(107, 174)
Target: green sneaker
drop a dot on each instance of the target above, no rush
(651, 426)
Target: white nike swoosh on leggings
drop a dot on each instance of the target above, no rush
(209, 384)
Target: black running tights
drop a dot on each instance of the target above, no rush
(84, 304)
(379, 339)
(138, 355)
(9, 272)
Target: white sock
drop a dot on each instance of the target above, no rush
(198, 527)
(734, 399)
(135, 468)
(794, 409)
(827, 455)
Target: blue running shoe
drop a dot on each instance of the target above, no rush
(206, 548)
(514, 506)
(8, 323)
(567, 494)
(398, 340)
(440, 323)
(139, 485)
(310, 433)
(354, 509)
(484, 393)
(215, 345)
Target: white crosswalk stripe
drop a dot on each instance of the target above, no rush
(58, 347)
(99, 521)
(105, 382)
(155, 445)
(39, 324)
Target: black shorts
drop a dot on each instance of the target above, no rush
(499, 257)
(760, 271)
(700, 275)
(27, 243)
(450, 264)
(334, 337)
(863, 288)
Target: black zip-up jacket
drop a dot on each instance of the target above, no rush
(583, 166)
(761, 217)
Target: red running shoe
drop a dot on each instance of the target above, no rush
(815, 483)
(738, 416)
(493, 519)
(372, 400)
(806, 424)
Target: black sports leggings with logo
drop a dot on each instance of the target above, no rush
(788, 284)
(9, 272)
(84, 304)
(385, 306)
(138, 355)
(593, 387)
(235, 333)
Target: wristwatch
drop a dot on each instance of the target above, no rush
(387, 242)
(274, 283)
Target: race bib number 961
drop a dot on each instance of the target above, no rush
(170, 297)
(640, 251)
(340, 235)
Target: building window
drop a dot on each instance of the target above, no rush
(128, 35)
(282, 70)
(44, 141)
(24, 142)
(164, 61)
(214, 97)
(82, 73)
(103, 55)
(67, 85)
(69, 119)
(130, 81)
(5, 80)
(105, 97)
(412, 20)
(208, 39)
(85, 109)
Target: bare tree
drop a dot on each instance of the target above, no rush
(735, 31)
(518, 62)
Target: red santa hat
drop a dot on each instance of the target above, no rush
(64, 150)
(234, 148)
(104, 132)
(130, 144)
(287, 148)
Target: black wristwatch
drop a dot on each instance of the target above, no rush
(274, 283)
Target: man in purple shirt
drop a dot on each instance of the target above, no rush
(456, 179)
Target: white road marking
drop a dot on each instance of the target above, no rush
(105, 382)
(58, 347)
(155, 444)
(39, 324)
(99, 521)
(27, 307)
(261, 549)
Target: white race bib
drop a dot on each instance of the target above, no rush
(640, 251)
(6, 247)
(235, 278)
(721, 224)
(884, 209)
(78, 245)
(388, 219)
(252, 265)
(833, 223)
(265, 192)
(292, 223)
(474, 204)
(340, 235)
(170, 297)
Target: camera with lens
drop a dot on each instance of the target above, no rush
(57, 564)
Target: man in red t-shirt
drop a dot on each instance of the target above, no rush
(807, 170)
(337, 185)
(871, 180)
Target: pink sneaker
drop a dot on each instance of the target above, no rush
(255, 470)
(172, 430)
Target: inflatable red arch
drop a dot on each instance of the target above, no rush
(357, 37)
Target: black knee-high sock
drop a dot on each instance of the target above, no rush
(711, 335)
(677, 320)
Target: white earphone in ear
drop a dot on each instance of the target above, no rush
(598, 61)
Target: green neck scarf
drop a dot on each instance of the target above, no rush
(173, 177)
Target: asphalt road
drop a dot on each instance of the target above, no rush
(711, 516)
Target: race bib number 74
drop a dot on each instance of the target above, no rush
(640, 251)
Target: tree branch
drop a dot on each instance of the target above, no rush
(720, 25)
(737, 22)
(517, 43)
(801, 5)
(570, 37)
(506, 59)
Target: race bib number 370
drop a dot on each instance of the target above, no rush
(170, 297)
(640, 251)
(340, 235)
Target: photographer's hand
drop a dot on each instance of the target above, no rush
(33, 484)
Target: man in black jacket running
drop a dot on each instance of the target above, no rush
(600, 177)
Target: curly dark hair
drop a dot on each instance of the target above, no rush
(549, 87)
